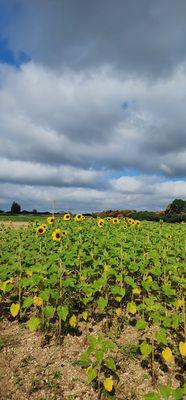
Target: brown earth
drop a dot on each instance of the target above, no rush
(14, 224)
(34, 367)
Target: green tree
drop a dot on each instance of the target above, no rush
(176, 207)
(15, 208)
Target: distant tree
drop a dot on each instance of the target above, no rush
(15, 208)
(176, 207)
(34, 211)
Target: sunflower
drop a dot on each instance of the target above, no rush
(115, 220)
(44, 226)
(78, 217)
(64, 233)
(57, 235)
(67, 217)
(50, 220)
(41, 229)
(100, 222)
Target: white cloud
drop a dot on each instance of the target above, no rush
(71, 129)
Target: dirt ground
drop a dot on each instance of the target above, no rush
(14, 224)
(34, 367)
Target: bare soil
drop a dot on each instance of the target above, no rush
(14, 224)
(36, 367)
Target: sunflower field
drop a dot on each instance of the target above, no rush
(73, 273)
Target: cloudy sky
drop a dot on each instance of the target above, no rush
(92, 103)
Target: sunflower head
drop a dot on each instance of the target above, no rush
(57, 235)
(64, 233)
(78, 217)
(41, 230)
(67, 217)
(115, 220)
(44, 226)
(50, 220)
(100, 222)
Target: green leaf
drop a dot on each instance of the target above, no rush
(99, 354)
(168, 291)
(92, 341)
(49, 311)
(161, 337)
(152, 396)
(63, 312)
(34, 323)
(146, 349)
(45, 295)
(179, 394)
(91, 374)
(141, 324)
(27, 302)
(110, 363)
(85, 356)
(130, 281)
(165, 391)
(102, 303)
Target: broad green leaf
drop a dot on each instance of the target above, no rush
(110, 363)
(34, 323)
(27, 302)
(152, 396)
(161, 337)
(63, 312)
(102, 303)
(49, 311)
(99, 354)
(146, 349)
(165, 391)
(91, 374)
(141, 324)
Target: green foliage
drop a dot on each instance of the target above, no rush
(15, 208)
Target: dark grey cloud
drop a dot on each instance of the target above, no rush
(146, 37)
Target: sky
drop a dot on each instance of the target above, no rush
(92, 104)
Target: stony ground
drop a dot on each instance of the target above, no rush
(36, 367)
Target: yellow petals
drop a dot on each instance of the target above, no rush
(78, 217)
(118, 312)
(67, 217)
(100, 222)
(167, 355)
(182, 348)
(37, 301)
(14, 309)
(115, 220)
(83, 278)
(29, 272)
(131, 308)
(106, 267)
(50, 220)
(108, 384)
(73, 321)
(41, 229)
(136, 291)
(180, 303)
(56, 235)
